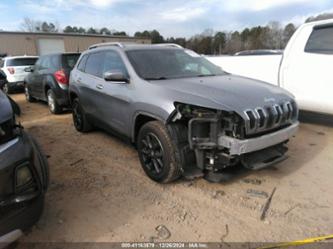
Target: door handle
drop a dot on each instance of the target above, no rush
(79, 80)
(99, 86)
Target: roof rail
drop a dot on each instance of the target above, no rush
(168, 45)
(105, 44)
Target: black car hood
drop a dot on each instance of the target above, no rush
(6, 111)
(227, 92)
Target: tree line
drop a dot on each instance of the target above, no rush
(272, 36)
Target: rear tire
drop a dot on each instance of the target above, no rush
(80, 120)
(27, 94)
(158, 154)
(54, 107)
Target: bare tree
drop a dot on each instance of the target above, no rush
(30, 25)
(273, 36)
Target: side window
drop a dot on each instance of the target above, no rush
(82, 63)
(53, 62)
(38, 64)
(2, 63)
(94, 64)
(46, 63)
(320, 41)
(113, 62)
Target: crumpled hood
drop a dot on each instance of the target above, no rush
(6, 111)
(227, 92)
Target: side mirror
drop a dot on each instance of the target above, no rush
(116, 76)
(29, 69)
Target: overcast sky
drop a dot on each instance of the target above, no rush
(179, 18)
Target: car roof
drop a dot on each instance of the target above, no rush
(319, 23)
(148, 47)
(19, 57)
(65, 53)
(134, 46)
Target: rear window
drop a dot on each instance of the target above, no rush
(21, 62)
(69, 60)
(320, 41)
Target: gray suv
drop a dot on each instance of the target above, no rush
(185, 115)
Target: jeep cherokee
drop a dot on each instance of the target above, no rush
(183, 113)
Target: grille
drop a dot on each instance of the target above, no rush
(6, 131)
(269, 117)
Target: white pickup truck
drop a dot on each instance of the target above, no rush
(305, 68)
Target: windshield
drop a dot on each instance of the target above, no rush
(21, 62)
(159, 64)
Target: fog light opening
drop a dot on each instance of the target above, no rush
(23, 176)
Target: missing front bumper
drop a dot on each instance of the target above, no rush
(216, 151)
(239, 147)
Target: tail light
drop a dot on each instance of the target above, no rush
(11, 70)
(61, 77)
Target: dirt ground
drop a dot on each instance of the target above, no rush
(99, 193)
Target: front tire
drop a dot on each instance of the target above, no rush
(54, 107)
(80, 120)
(157, 153)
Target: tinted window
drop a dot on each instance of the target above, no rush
(2, 63)
(54, 62)
(154, 64)
(82, 63)
(38, 64)
(94, 64)
(50, 62)
(21, 62)
(69, 60)
(320, 41)
(43, 63)
(113, 62)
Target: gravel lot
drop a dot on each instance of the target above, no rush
(99, 192)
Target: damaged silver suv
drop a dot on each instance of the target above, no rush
(185, 115)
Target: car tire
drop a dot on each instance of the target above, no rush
(158, 153)
(6, 89)
(54, 107)
(80, 120)
(27, 94)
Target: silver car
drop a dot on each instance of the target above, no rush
(185, 115)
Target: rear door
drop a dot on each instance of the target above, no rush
(40, 77)
(34, 78)
(87, 79)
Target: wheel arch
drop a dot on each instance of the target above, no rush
(140, 119)
(49, 83)
(72, 95)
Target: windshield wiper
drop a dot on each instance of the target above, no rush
(205, 75)
(157, 78)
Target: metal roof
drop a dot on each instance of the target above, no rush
(72, 34)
